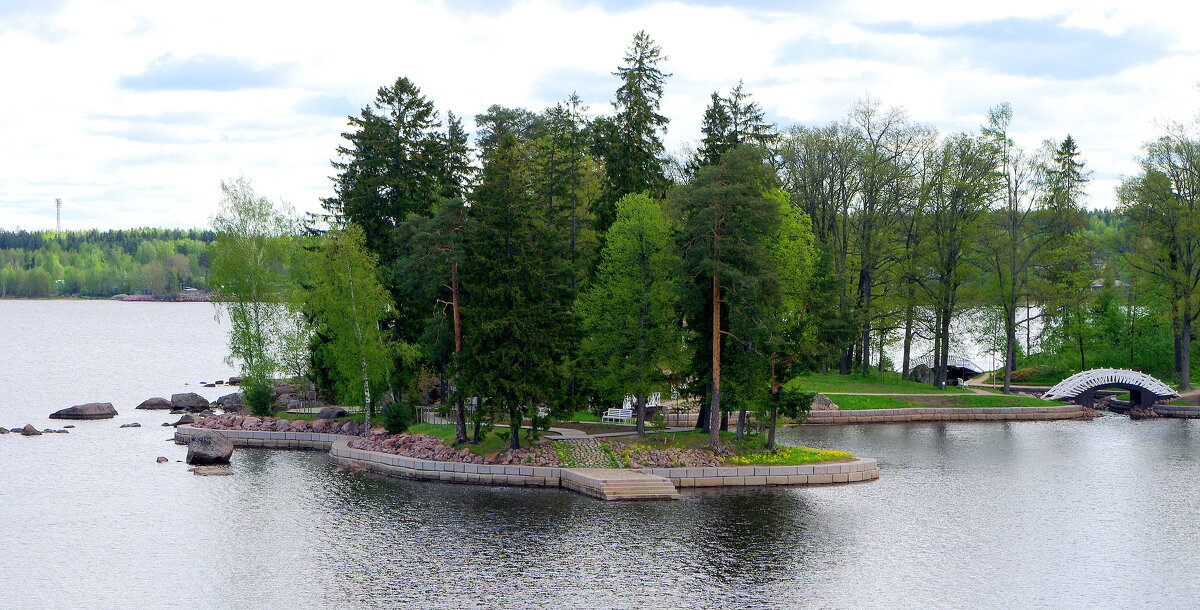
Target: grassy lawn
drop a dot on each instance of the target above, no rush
(1037, 381)
(855, 403)
(492, 443)
(585, 416)
(747, 451)
(875, 383)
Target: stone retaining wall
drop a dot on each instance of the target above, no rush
(1185, 411)
(271, 440)
(862, 469)
(945, 414)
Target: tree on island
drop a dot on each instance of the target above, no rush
(250, 259)
(628, 311)
(1162, 204)
(728, 214)
(429, 268)
(348, 303)
(630, 142)
(516, 315)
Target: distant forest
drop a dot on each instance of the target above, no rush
(158, 262)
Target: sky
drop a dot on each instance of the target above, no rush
(133, 111)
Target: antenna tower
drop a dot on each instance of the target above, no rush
(58, 213)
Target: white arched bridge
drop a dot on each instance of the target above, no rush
(1080, 388)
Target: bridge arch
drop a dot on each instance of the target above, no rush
(1080, 388)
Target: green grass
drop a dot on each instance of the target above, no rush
(749, 450)
(875, 383)
(858, 402)
(585, 416)
(1036, 381)
(491, 443)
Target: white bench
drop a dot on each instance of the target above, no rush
(617, 415)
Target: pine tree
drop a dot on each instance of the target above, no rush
(428, 269)
(729, 213)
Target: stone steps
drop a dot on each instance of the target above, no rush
(611, 484)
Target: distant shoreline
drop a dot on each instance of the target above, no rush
(123, 298)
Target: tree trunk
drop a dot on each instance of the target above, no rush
(1082, 354)
(906, 359)
(1010, 341)
(714, 412)
(460, 420)
(514, 427)
(741, 423)
(641, 414)
(1185, 347)
(366, 395)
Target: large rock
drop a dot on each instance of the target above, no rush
(821, 402)
(207, 447)
(332, 413)
(186, 419)
(228, 400)
(157, 402)
(190, 401)
(29, 430)
(91, 410)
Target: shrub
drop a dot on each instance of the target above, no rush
(396, 417)
(259, 395)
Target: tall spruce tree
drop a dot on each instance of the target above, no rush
(517, 319)
(393, 163)
(631, 141)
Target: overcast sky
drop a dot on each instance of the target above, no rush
(133, 111)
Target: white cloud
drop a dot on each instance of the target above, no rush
(133, 156)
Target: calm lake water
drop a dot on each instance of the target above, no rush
(1061, 514)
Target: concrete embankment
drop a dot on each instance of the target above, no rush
(946, 414)
(605, 483)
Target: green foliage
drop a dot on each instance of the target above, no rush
(259, 395)
(782, 456)
(157, 262)
(251, 258)
(628, 312)
(516, 281)
(397, 416)
(347, 303)
(630, 143)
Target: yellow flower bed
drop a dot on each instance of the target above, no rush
(790, 456)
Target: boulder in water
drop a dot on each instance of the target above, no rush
(91, 410)
(162, 460)
(29, 430)
(189, 401)
(209, 447)
(332, 413)
(157, 402)
(4, 431)
(132, 425)
(186, 419)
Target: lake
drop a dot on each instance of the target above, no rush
(1024, 514)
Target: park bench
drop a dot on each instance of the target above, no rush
(617, 415)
